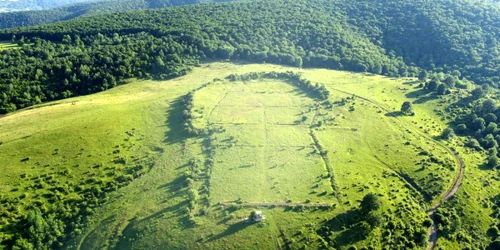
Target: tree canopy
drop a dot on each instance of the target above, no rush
(402, 38)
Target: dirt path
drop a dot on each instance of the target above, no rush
(457, 180)
(276, 204)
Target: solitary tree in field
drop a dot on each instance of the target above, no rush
(407, 108)
(369, 203)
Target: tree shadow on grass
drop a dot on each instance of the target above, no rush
(426, 98)
(422, 95)
(343, 220)
(355, 233)
(239, 226)
(350, 228)
(411, 82)
(136, 226)
(128, 232)
(394, 114)
(174, 122)
(174, 187)
(416, 94)
(174, 210)
(485, 167)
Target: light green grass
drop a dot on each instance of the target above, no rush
(269, 158)
(7, 45)
(257, 160)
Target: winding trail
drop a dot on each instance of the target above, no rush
(457, 179)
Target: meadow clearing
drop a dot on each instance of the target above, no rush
(265, 141)
(7, 45)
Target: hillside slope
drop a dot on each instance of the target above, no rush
(22, 5)
(193, 155)
(382, 37)
(169, 40)
(68, 12)
(122, 167)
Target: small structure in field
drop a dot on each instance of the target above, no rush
(256, 216)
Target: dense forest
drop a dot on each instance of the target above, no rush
(87, 55)
(67, 12)
(36, 4)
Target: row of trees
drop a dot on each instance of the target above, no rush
(481, 124)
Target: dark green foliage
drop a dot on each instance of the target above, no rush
(493, 232)
(374, 220)
(488, 106)
(422, 76)
(451, 81)
(491, 128)
(369, 203)
(479, 119)
(461, 129)
(493, 161)
(494, 245)
(477, 93)
(478, 124)
(85, 9)
(432, 85)
(441, 89)
(87, 66)
(163, 43)
(187, 115)
(407, 108)
(253, 216)
(490, 117)
(423, 33)
(447, 133)
(473, 143)
(427, 223)
(448, 221)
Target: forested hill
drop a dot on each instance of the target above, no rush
(68, 12)
(35, 4)
(394, 38)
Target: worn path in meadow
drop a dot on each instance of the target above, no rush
(275, 204)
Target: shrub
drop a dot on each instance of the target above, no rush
(493, 161)
(447, 133)
(461, 129)
(370, 203)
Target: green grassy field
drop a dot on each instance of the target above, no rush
(258, 148)
(262, 149)
(7, 45)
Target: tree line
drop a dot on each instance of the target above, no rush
(163, 43)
